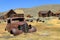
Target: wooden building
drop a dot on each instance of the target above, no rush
(12, 13)
(9, 14)
(29, 16)
(57, 14)
(45, 13)
(18, 15)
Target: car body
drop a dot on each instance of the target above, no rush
(18, 25)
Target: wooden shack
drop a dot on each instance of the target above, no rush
(13, 13)
(18, 15)
(29, 16)
(57, 14)
(9, 14)
(45, 13)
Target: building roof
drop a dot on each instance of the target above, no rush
(19, 11)
(16, 11)
(43, 12)
(10, 11)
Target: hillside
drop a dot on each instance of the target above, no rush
(34, 10)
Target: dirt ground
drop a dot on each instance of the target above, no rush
(49, 30)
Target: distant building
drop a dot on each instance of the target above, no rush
(13, 13)
(29, 16)
(45, 13)
(19, 13)
(57, 14)
(9, 14)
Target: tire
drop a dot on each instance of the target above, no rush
(11, 32)
(15, 31)
(33, 29)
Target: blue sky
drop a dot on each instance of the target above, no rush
(13, 4)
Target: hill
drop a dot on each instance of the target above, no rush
(34, 10)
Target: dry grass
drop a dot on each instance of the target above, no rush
(44, 31)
